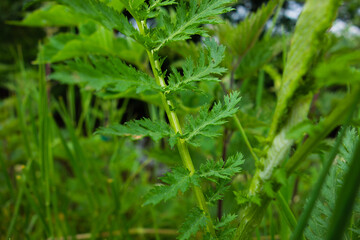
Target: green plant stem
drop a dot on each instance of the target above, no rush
(286, 212)
(175, 124)
(243, 134)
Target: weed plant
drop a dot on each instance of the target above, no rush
(244, 133)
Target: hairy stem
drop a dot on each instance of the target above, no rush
(175, 124)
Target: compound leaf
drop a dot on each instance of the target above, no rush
(204, 123)
(107, 73)
(178, 179)
(214, 170)
(138, 129)
(189, 16)
(207, 65)
(195, 221)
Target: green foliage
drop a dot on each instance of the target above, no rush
(203, 125)
(105, 15)
(241, 38)
(189, 16)
(138, 129)
(219, 170)
(339, 69)
(107, 74)
(194, 222)
(92, 40)
(261, 53)
(324, 208)
(50, 15)
(207, 65)
(178, 180)
(304, 46)
(158, 61)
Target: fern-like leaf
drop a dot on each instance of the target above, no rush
(213, 170)
(195, 221)
(225, 228)
(213, 195)
(207, 65)
(204, 123)
(138, 129)
(325, 205)
(105, 15)
(141, 10)
(189, 16)
(110, 74)
(178, 179)
(240, 39)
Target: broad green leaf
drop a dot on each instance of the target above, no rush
(204, 123)
(305, 44)
(51, 15)
(102, 42)
(195, 221)
(178, 179)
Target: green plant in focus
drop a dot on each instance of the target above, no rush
(160, 119)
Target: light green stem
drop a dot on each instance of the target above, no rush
(175, 124)
(243, 134)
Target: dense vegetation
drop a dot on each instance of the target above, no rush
(167, 119)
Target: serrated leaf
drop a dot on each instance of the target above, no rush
(203, 70)
(262, 52)
(243, 198)
(214, 170)
(225, 220)
(241, 38)
(218, 193)
(195, 221)
(138, 129)
(108, 73)
(142, 10)
(105, 15)
(101, 42)
(178, 179)
(204, 123)
(189, 16)
(305, 43)
(325, 205)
